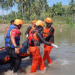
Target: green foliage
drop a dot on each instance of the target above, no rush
(33, 16)
(4, 21)
(69, 22)
(37, 9)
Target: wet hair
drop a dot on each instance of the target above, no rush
(12, 21)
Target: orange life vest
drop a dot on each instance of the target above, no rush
(31, 29)
(33, 39)
(46, 32)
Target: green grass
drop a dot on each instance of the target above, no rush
(57, 20)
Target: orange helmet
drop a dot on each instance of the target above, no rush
(34, 21)
(48, 20)
(21, 22)
(18, 22)
(40, 23)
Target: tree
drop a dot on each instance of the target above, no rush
(72, 5)
(2, 6)
(6, 4)
(59, 8)
(53, 10)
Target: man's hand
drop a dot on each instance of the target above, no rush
(17, 50)
(27, 35)
(54, 45)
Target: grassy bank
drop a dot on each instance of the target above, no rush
(57, 21)
(8, 22)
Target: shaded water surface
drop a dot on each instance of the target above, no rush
(63, 57)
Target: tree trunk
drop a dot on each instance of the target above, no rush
(72, 16)
(2, 15)
(15, 15)
(7, 14)
(22, 10)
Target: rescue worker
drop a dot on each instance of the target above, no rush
(30, 28)
(35, 38)
(12, 42)
(11, 23)
(48, 35)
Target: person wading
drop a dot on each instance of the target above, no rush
(6, 29)
(12, 42)
(48, 35)
(30, 28)
(35, 38)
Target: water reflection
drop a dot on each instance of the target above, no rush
(66, 34)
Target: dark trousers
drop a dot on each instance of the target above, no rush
(15, 59)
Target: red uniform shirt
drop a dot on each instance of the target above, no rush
(15, 32)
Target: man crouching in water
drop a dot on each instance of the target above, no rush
(35, 38)
(12, 41)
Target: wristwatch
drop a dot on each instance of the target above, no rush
(16, 46)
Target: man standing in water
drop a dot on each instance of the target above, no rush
(30, 28)
(35, 38)
(12, 41)
(12, 23)
(48, 35)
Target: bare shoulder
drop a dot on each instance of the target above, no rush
(6, 28)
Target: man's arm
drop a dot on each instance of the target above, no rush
(42, 39)
(6, 32)
(28, 29)
(13, 40)
(45, 42)
(13, 35)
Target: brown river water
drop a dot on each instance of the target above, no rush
(63, 58)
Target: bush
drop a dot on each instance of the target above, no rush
(4, 21)
(69, 22)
